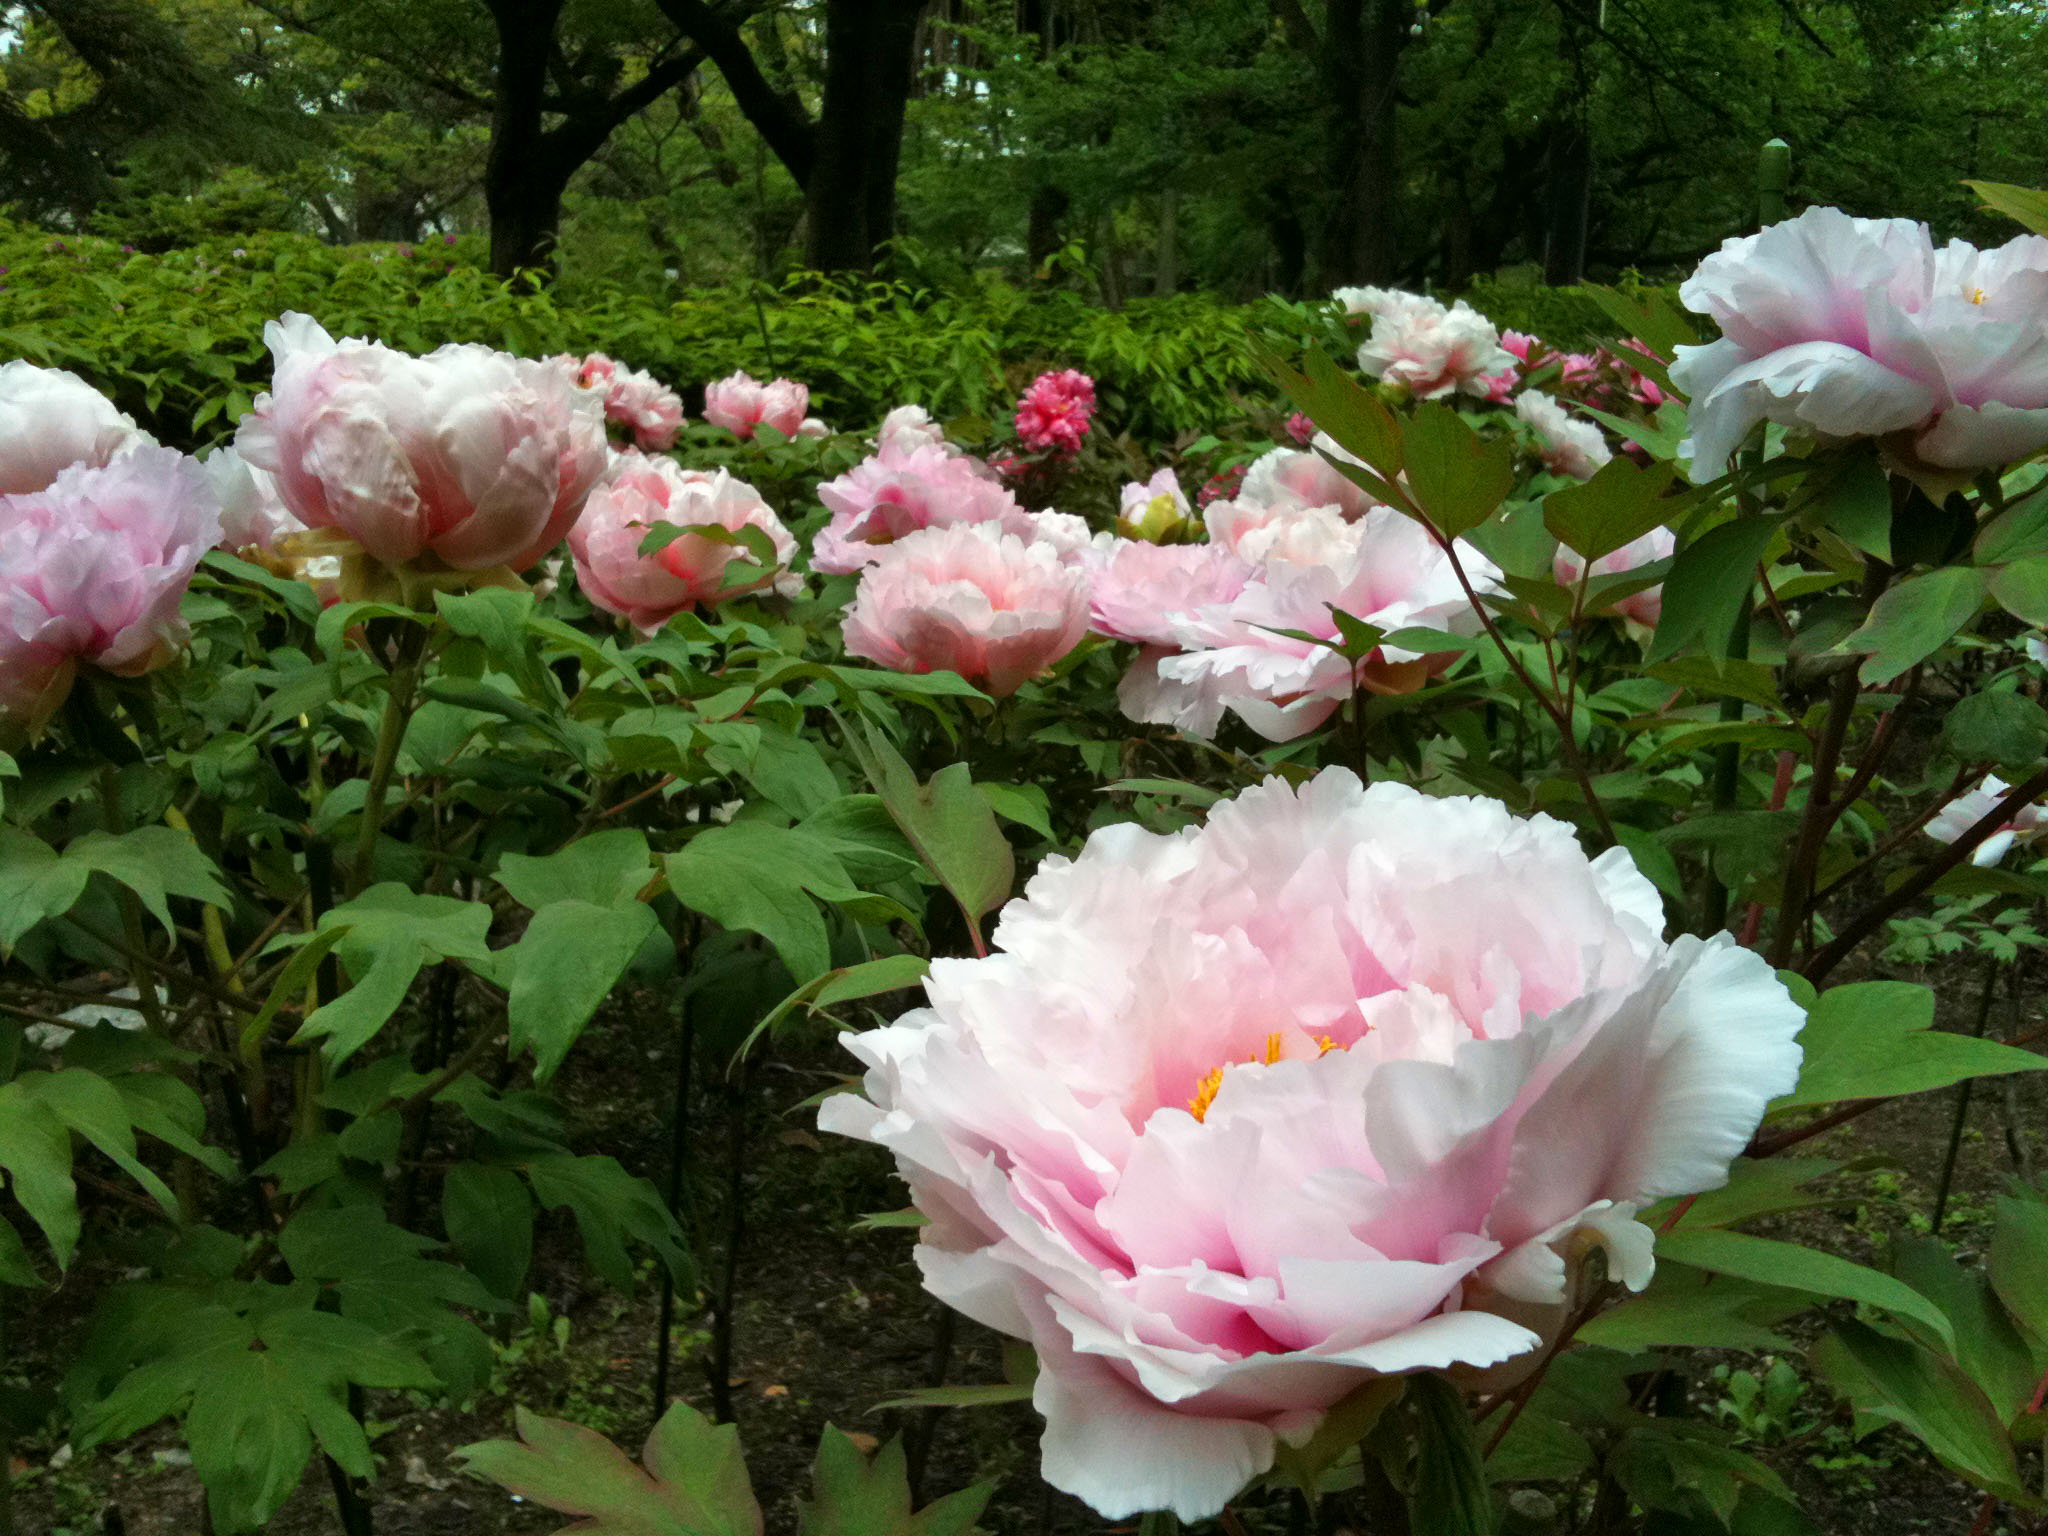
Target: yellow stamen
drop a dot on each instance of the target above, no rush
(1976, 295)
(1206, 1090)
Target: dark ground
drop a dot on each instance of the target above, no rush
(830, 1323)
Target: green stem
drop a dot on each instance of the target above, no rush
(399, 700)
(116, 821)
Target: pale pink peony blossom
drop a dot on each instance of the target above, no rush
(1306, 478)
(1566, 445)
(1053, 414)
(1860, 328)
(1153, 510)
(740, 403)
(1644, 607)
(1140, 592)
(471, 457)
(813, 427)
(897, 491)
(1338, 1085)
(970, 599)
(1971, 807)
(648, 590)
(252, 514)
(639, 405)
(92, 569)
(1383, 569)
(1432, 350)
(50, 420)
(909, 427)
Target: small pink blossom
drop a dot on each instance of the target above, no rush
(1338, 1085)
(1053, 415)
(1221, 486)
(644, 409)
(1431, 350)
(740, 403)
(970, 599)
(1644, 607)
(1301, 429)
(1643, 389)
(897, 491)
(1566, 445)
(908, 427)
(92, 569)
(1307, 478)
(641, 492)
(1967, 809)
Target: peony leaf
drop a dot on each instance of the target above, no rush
(1450, 1496)
(858, 1495)
(2023, 205)
(1459, 478)
(1911, 621)
(1767, 1261)
(1873, 1040)
(1703, 593)
(1618, 505)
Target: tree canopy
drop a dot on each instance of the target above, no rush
(1137, 146)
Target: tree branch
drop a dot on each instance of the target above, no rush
(776, 115)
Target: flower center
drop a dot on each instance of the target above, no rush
(1207, 1089)
(1976, 295)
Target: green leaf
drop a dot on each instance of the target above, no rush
(1539, 1449)
(489, 1216)
(1996, 725)
(392, 933)
(610, 1206)
(1767, 1261)
(761, 879)
(1458, 477)
(2021, 589)
(1025, 804)
(948, 823)
(566, 964)
(2019, 1260)
(1620, 504)
(2023, 205)
(1704, 591)
(1687, 1309)
(2017, 533)
(497, 616)
(692, 1480)
(1354, 416)
(1348, 1422)
(35, 1154)
(155, 863)
(90, 1105)
(890, 973)
(1912, 620)
(1898, 1380)
(857, 1495)
(605, 869)
(1450, 1497)
(1872, 1039)
(1989, 1348)
(15, 1267)
(1856, 503)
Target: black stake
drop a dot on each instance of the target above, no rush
(678, 1151)
(1955, 1129)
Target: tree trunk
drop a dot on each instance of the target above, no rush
(1042, 229)
(1361, 53)
(850, 196)
(1166, 276)
(1569, 192)
(521, 189)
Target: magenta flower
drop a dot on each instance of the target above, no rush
(970, 599)
(1336, 1086)
(740, 403)
(1053, 414)
(1301, 429)
(92, 569)
(472, 457)
(1850, 328)
(648, 590)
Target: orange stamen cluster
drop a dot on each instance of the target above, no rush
(1207, 1089)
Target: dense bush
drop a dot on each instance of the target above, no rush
(176, 338)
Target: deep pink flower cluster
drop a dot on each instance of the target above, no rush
(1053, 415)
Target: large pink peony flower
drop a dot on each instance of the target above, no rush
(1334, 1086)
(1566, 445)
(1432, 350)
(649, 590)
(644, 409)
(1053, 414)
(1141, 592)
(473, 457)
(92, 569)
(50, 420)
(1852, 328)
(1971, 807)
(740, 402)
(1644, 607)
(970, 599)
(1383, 569)
(897, 491)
